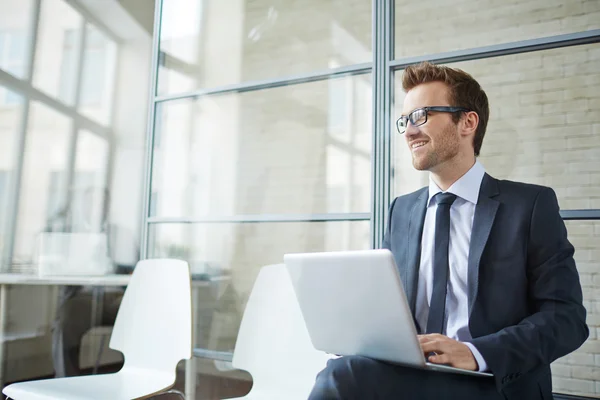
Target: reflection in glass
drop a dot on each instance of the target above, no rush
(261, 40)
(428, 27)
(282, 150)
(543, 128)
(576, 372)
(59, 35)
(15, 37)
(97, 81)
(89, 201)
(230, 255)
(65, 192)
(43, 195)
(10, 123)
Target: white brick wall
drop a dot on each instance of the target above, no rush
(432, 26)
(583, 366)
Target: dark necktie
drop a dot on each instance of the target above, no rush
(437, 306)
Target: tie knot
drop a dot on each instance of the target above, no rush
(445, 198)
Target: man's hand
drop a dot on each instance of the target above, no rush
(448, 351)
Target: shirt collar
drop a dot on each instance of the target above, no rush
(466, 187)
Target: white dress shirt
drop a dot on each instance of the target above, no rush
(456, 316)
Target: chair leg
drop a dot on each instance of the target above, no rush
(172, 391)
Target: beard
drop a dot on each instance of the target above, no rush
(445, 147)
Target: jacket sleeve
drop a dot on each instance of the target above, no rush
(557, 324)
(388, 229)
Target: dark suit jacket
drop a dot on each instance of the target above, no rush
(524, 295)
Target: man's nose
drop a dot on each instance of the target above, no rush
(411, 130)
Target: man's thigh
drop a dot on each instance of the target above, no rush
(361, 377)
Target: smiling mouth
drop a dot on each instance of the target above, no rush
(417, 145)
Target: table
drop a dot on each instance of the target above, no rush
(7, 279)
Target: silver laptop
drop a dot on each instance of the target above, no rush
(353, 303)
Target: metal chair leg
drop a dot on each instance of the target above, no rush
(172, 391)
(177, 392)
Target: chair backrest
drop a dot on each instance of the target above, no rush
(273, 344)
(153, 328)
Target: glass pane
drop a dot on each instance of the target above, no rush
(296, 149)
(213, 43)
(89, 192)
(10, 123)
(99, 61)
(36, 315)
(15, 36)
(56, 55)
(427, 27)
(544, 125)
(578, 372)
(42, 200)
(235, 253)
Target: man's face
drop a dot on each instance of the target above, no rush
(438, 140)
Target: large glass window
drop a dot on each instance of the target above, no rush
(15, 38)
(97, 85)
(230, 255)
(259, 40)
(56, 57)
(295, 149)
(80, 177)
(10, 123)
(437, 26)
(89, 192)
(43, 195)
(265, 153)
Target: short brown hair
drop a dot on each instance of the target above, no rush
(464, 91)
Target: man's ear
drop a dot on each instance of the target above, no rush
(469, 123)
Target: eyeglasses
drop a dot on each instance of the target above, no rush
(419, 116)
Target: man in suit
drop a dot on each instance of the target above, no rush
(486, 264)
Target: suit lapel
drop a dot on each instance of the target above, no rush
(415, 233)
(485, 212)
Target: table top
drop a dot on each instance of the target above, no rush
(82, 280)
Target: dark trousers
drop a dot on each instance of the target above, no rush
(364, 378)
(73, 320)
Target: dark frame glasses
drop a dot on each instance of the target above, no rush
(418, 116)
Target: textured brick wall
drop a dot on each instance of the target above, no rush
(579, 372)
(545, 128)
(435, 26)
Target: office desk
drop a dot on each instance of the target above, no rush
(7, 279)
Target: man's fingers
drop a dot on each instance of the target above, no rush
(428, 347)
(440, 359)
(430, 337)
(424, 338)
(439, 346)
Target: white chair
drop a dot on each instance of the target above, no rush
(153, 330)
(273, 344)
